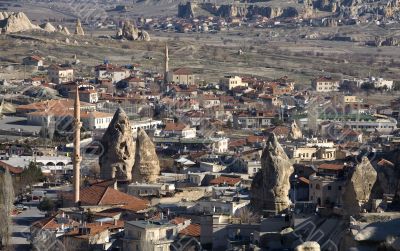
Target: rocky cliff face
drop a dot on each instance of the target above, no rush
(186, 10)
(295, 132)
(11, 22)
(270, 186)
(348, 8)
(357, 192)
(118, 155)
(147, 166)
(232, 10)
(78, 28)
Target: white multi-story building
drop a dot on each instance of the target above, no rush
(62, 119)
(231, 82)
(48, 164)
(147, 235)
(111, 72)
(369, 123)
(59, 74)
(325, 84)
(382, 83)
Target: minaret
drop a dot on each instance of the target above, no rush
(166, 67)
(76, 159)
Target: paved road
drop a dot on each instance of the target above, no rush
(21, 224)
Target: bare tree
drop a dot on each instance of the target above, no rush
(246, 215)
(7, 202)
(94, 170)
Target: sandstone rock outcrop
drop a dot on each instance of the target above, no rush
(271, 185)
(357, 191)
(186, 10)
(144, 36)
(388, 175)
(48, 27)
(130, 31)
(118, 156)
(63, 29)
(11, 22)
(295, 131)
(78, 28)
(308, 246)
(147, 166)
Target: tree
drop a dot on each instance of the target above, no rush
(46, 205)
(349, 87)
(246, 215)
(276, 121)
(94, 170)
(90, 216)
(396, 86)
(229, 124)
(31, 175)
(367, 87)
(6, 202)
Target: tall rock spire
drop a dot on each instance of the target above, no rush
(77, 145)
(118, 155)
(78, 28)
(271, 185)
(147, 166)
(357, 192)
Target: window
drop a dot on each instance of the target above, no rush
(340, 188)
(317, 187)
(329, 188)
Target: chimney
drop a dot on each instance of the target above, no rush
(115, 222)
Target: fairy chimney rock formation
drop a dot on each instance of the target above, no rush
(295, 132)
(271, 185)
(78, 28)
(147, 166)
(118, 156)
(11, 22)
(308, 246)
(358, 188)
(130, 31)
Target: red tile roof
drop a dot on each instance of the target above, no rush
(335, 167)
(279, 130)
(192, 230)
(52, 223)
(11, 169)
(255, 139)
(36, 58)
(174, 127)
(182, 71)
(104, 195)
(304, 180)
(225, 180)
(178, 220)
(96, 228)
(385, 162)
